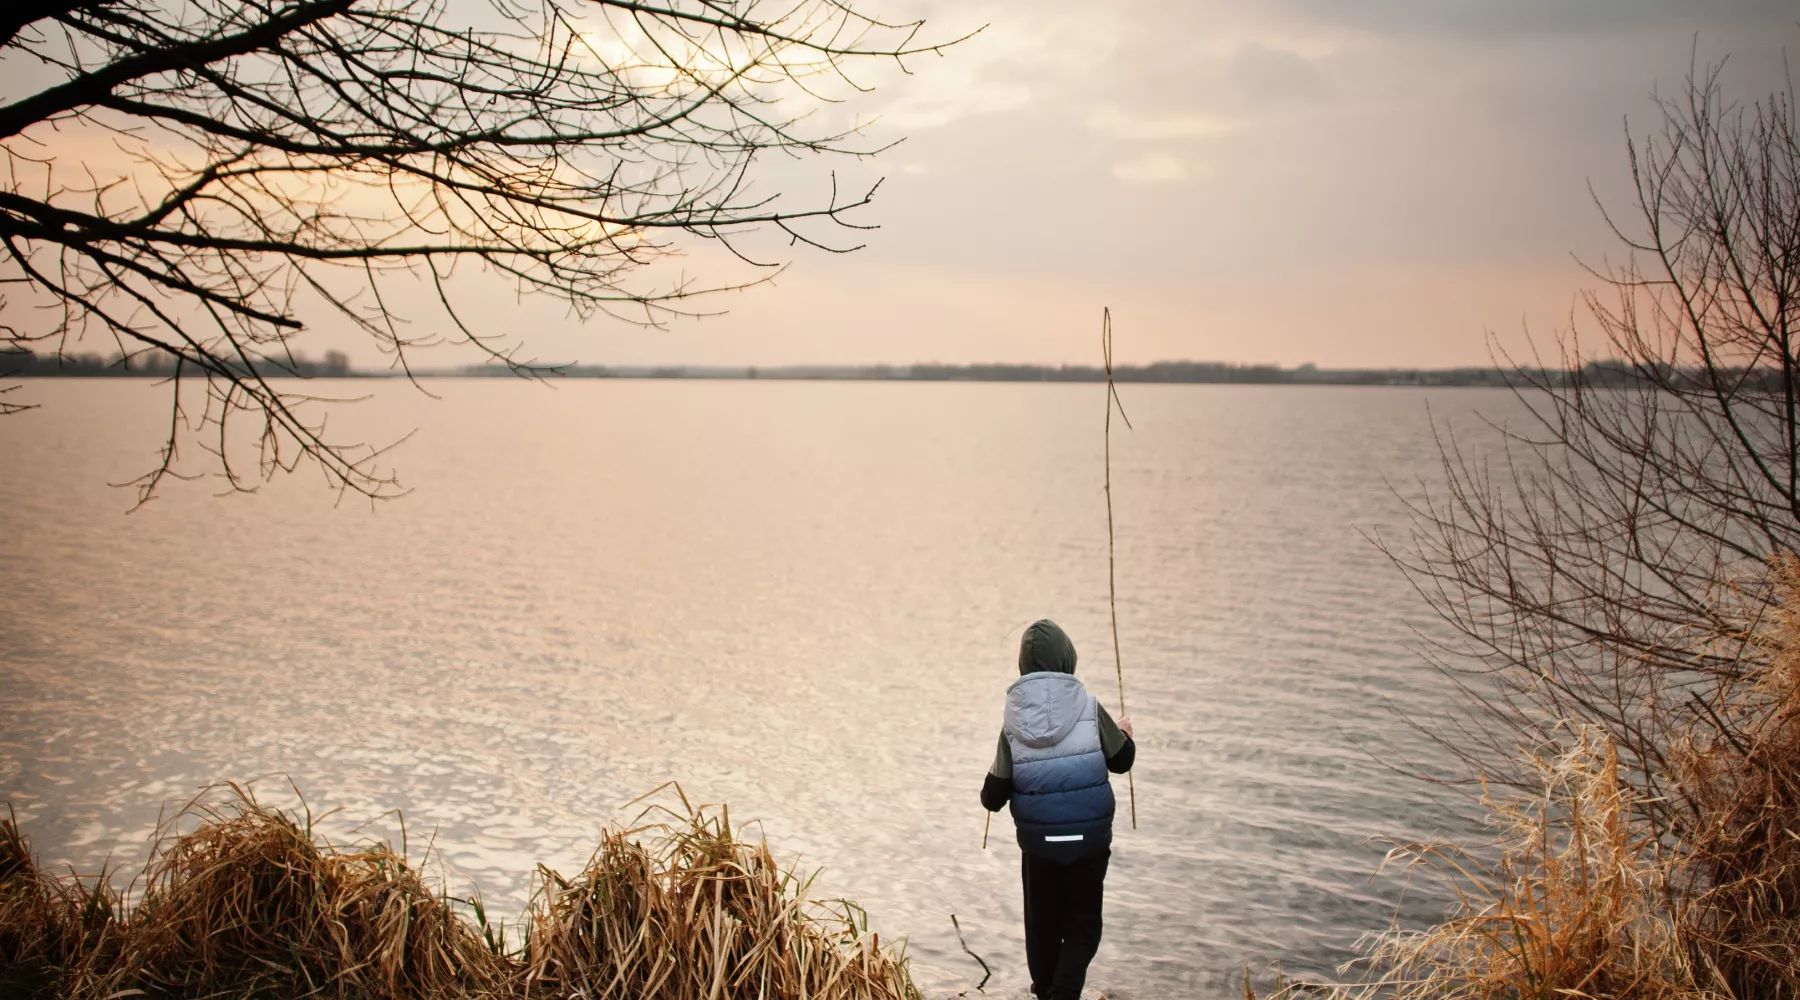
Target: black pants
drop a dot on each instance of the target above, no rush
(1062, 922)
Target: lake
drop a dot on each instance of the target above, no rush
(800, 598)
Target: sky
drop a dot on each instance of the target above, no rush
(1340, 182)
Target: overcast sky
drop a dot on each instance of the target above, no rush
(1344, 182)
(1378, 182)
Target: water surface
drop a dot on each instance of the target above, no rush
(803, 599)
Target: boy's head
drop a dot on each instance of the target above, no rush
(1046, 647)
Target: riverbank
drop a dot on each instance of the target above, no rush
(240, 899)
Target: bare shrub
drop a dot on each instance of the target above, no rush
(1582, 895)
(1602, 570)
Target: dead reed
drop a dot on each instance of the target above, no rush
(1740, 776)
(251, 901)
(52, 929)
(700, 914)
(1576, 905)
(1581, 897)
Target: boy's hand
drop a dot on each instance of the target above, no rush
(1125, 725)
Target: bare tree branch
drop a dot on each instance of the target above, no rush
(1613, 571)
(275, 153)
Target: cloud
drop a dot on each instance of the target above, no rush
(1011, 63)
(939, 107)
(1438, 152)
(1115, 122)
(1264, 75)
(1151, 168)
(1503, 20)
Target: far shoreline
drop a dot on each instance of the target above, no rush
(1598, 374)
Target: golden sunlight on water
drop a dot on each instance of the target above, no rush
(802, 599)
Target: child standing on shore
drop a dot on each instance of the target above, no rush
(1056, 749)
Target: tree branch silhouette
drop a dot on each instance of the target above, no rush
(274, 163)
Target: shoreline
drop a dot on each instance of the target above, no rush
(19, 367)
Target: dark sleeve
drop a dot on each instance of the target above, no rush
(1121, 762)
(995, 792)
(1112, 738)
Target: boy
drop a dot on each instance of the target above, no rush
(1055, 751)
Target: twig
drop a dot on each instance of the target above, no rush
(986, 973)
(1722, 727)
(1112, 588)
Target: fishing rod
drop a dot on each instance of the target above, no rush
(1112, 587)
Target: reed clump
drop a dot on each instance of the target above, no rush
(52, 929)
(252, 901)
(1577, 904)
(1585, 894)
(699, 914)
(1740, 776)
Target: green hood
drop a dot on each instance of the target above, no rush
(1046, 648)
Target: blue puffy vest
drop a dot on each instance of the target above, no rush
(1062, 802)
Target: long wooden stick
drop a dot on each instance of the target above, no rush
(984, 829)
(1112, 587)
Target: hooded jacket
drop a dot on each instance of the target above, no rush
(1053, 751)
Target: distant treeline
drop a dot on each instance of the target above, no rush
(1601, 374)
(1161, 371)
(154, 364)
(1211, 372)
(337, 365)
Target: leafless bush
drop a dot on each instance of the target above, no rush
(1582, 895)
(1609, 568)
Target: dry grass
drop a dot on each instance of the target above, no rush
(1581, 898)
(52, 930)
(30, 924)
(1578, 903)
(1740, 775)
(250, 901)
(703, 915)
